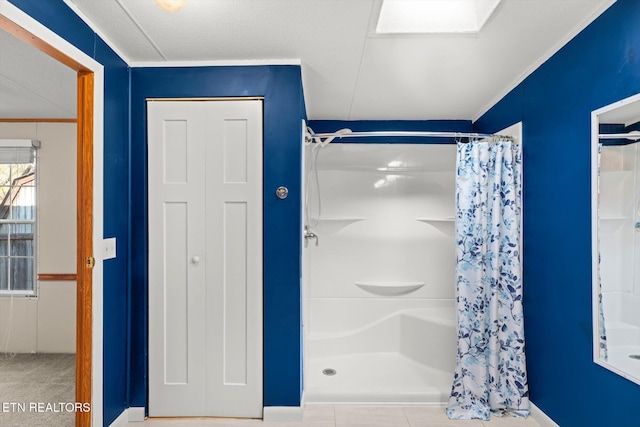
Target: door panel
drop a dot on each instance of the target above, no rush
(235, 250)
(205, 258)
(176, 286)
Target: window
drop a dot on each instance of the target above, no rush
(18, 186)
(434, 16)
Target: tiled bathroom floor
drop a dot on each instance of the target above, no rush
(351, 416)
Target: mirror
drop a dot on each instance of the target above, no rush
(615, 161)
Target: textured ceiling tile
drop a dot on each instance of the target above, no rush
(457, 76)
(254, 29)
(112, 20)
(348, 73)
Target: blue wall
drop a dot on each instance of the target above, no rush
(599, 66)
(58, 17)
(281, 87)
(125, 307)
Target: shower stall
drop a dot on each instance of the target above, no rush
(378, 275)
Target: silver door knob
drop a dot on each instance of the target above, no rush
(195, 260)
(282, 192)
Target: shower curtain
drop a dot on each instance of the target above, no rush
(490, 374)
(602, 331)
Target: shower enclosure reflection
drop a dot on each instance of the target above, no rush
(616, 234)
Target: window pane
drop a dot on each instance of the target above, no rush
(4, 239)
(5, 174)
(5, 201)
(21, 242)
(23, 203)
(3, 273)
(21, 172)
(22, 274)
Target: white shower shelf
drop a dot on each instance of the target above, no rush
(610, 223)
(445, 224)
(333, 225)
(614, 178)
(619, 173)
(389, 288)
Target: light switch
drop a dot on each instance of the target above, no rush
(109, 248)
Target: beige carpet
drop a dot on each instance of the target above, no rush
(37, 390)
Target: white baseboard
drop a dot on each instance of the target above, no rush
(122, 420)
(129, 415)
(541, 418)
(282, 414)
(136, 414)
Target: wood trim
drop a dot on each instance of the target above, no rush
(24, 35)
(38, 120)
(44, 277)
(84, 215)
(85, 245)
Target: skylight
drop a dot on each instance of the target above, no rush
(434, 16)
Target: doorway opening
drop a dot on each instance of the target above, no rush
(84, 211)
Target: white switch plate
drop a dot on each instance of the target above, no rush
(109, 248)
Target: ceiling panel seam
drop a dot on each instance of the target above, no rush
(372, 8)
(139, 27)
(543, 58)
(97, 30)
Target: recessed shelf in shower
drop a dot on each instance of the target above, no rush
(389, 288)
(333, 225)
(445, 225)
(610, 224)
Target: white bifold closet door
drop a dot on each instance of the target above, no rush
(205, 258)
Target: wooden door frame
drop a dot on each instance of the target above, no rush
(88, 386)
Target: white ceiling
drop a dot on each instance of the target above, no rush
(348, 71)
(32, 84)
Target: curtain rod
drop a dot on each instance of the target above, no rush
(347, 133)
(633, 135)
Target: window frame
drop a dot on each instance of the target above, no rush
(34, 291)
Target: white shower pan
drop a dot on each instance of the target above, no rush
(407, 357)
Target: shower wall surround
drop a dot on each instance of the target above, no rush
(386, 223)
(618, 213)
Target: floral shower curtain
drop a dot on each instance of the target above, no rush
(490, 374)
(602, 331)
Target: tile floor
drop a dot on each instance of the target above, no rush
(351, 416)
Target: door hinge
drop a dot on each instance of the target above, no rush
(91, 262)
